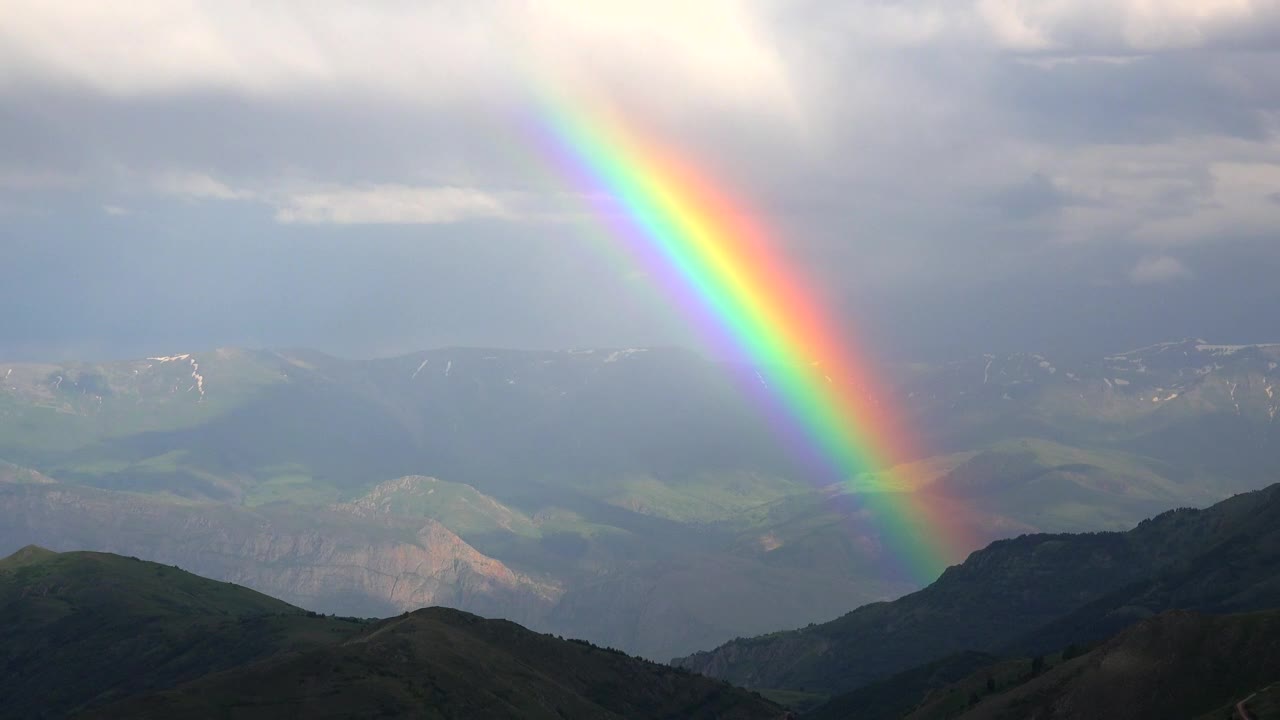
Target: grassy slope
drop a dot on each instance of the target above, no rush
(96, 635)
(1261, 704)
(1236, 570)
(890, 699)
(440, 663)
(1178, 664)
(81, 627)
(1007, 589)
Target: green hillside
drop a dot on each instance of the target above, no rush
(1238, 569)
(440, 663)
(82, 628)
(97, 635)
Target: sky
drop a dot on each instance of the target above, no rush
(950, 176)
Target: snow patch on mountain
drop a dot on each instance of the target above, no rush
(617, 355)
(197, 378)
(1232, 349)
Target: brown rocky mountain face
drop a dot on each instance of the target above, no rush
(392, 565)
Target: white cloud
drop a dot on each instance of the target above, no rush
(669, 51)
(1157, 269)
(1197, 189)
(1135, 25)
(388, 204)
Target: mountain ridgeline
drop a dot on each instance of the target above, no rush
(95, 635)
(1032, 595)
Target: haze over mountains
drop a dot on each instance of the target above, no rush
(636, 497)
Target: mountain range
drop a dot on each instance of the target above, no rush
(640, 498)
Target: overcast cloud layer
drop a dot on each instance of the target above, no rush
(954, 176)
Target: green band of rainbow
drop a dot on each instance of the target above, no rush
(720, 265)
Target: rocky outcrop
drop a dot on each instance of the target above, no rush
(459, 505)
(328, 563)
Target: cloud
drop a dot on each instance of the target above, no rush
(912, 149)
(428, 53)
(388, 204)
(1036, 196)
(1128, 25)
(1158, 269)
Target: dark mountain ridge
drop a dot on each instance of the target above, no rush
(97, 635)
(1035, 591)
(446, 663)
(80, 628)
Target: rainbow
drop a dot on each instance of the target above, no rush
(723, 270)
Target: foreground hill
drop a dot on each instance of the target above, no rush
(99, 635)
(1042, 591)
(450, 664)
(80, 628)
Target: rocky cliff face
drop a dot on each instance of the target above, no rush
(328, 564)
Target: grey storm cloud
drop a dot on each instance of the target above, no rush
(358, 176)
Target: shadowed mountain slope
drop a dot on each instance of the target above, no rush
(1175, 665)
(79, 628)
(440, 663)
(97, 635)
(1005, 596)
